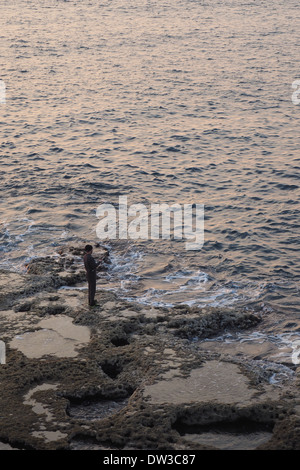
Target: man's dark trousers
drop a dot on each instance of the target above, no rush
(91, 278)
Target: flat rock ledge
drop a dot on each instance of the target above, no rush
(127, 376)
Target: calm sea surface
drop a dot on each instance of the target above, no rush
(178, 101)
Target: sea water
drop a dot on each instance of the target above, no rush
(176, 102)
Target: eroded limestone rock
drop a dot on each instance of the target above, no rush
(122, 375)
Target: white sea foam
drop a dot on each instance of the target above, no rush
(287, 345)
(191, 287)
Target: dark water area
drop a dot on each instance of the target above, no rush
(177, 102)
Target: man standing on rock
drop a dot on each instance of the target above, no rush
(91, 273)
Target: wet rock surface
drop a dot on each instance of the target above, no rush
(126, 376)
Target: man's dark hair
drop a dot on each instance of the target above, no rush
(88, 248)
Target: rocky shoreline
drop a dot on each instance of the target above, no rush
(127, 376)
